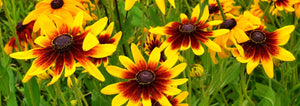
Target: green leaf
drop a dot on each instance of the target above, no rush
(12, 94)
(32, 92)
(266, 93)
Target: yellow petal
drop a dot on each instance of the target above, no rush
(240, 36)
(119, 100)
(163, 101)
(137, 56)
(158, 30)
(183, 16)
(170, 62)
(42, 41)
(175, 71)
(172, 2)
(212, 45)
(97, 27)
(284, 55)
(126, 62)
(215, 22)
(24, 55)
(132, 103)
(117, 38)
(205, 14)
(219, 32)
(110, 28)
(92, 69)
(179, 98)
(111, 89)
(129, 4)
(251, 65)
(282, 35)
(47, 26)
(154, 58)
(199, 51)
(172, 91)
(78, 20)
(54, 79)
(89, 42)
(195, 13)
(161, 5)
(102, 50)
(146, 102)
(178, 81)
(268, 66)
(116, 71)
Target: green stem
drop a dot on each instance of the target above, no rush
(265, 11)
(118, 15)
(58, 90)
(188, 7)
(188, 70)
(243, 86)
(221, 10)
(78, 93)
(143, 25)
(224, 98)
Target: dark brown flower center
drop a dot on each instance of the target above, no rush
(56, 4)
(257, 37)
(20, 27)
(213, 8)
(145, 77)
(62, 42)
(228, 24)
(187, 28)
(156, 104)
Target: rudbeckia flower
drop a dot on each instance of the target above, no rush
(56, 10)
(264, 45)
(256, 10)
(146, 80)
(188, 33)
(105, 38)
(25, 36)
(62, 46)
(154, 41)
(176, 101)
(227, 6)
(237, 27)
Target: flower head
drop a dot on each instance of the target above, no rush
(60, 11)
(154, 41)
(25, 36)
(61, 47)
(188, 33)
(146, 79)
(264, 45)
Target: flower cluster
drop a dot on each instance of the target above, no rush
(60, 35)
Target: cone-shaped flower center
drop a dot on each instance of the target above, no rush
(56, 4)
(187, 28)
(145, 77)
(213, 8)
(156, 104)
(62, 42)
(228, 24)
(257, 37)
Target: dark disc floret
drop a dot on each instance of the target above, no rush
(62, 42)
(56, 4)
(145, 77)
(213, 8)
(20, 27)
(228, 24)
(187, 28)
(257, 37)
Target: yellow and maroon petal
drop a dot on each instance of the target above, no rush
(129, 4)
(175, 71)
(282, 35)
(196, 47)
(184, 19)
(186, 43)
(77, 24)
(267, 64)
(161, 5)
(120, 72)
(284, 55)
(146, 102)
(205, 15)
(164, 101)
(57, 71)
(69, 63)
(126, 62)
(101, 50)
(111, 89)
(154, 59)
(195, 14)
(138, 57)
(42, 63)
